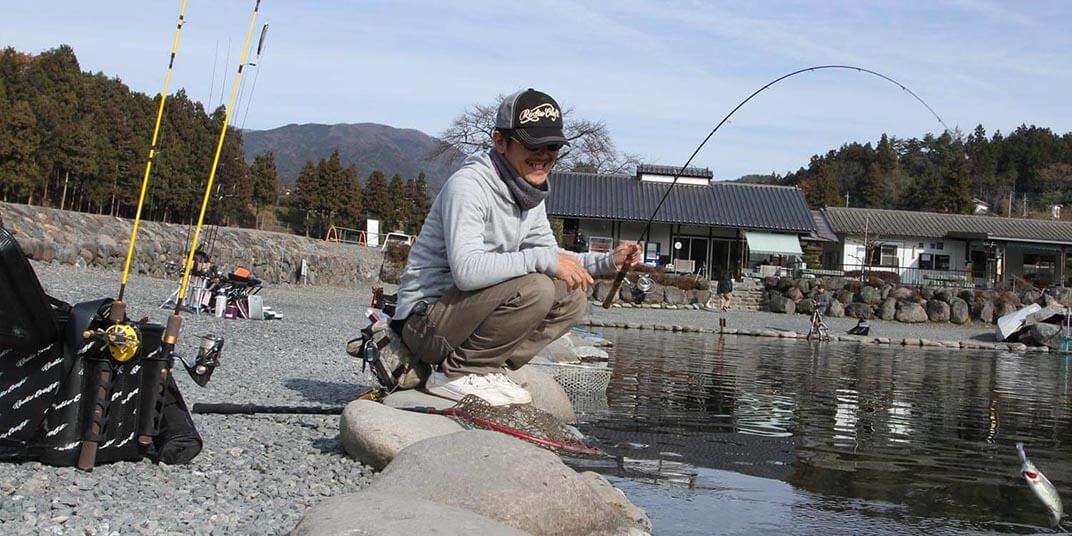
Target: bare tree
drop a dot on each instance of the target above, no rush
(591, 148)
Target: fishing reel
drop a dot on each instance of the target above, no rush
(208, 358)
(641, 287)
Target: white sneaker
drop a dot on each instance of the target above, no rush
(470, 384)
(509, 388)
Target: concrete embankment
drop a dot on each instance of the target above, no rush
(79, 239)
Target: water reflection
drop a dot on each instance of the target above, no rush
(929, 431)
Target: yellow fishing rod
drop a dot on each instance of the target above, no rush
(118, 306)
(175, 321)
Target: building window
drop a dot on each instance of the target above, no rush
(883, 256)
(600, 244)
(933, 262)
(1040, 267)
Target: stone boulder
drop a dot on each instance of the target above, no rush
(804, 285)
(785, 283)
(655, 297)
(859, 310)
(805, 306)
(959, 311)
(794, 294)
(1030, 296)
(901, 293)
(674, 296)
(888, 309)
(374, 434)
(843, 296)
(1004, 308)
(505, 479)
(870, 295)
(781, 304)
(945, 294)
(1044, 334)
(909, 311)
(937, 310)
(602, 288)
(835, 309)
(983, 311)
(385, 513)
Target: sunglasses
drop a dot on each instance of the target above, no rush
(552, 147)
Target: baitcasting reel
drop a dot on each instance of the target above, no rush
(208, 358)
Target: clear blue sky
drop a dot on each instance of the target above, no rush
(660, 74)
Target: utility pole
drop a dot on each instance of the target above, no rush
(1008, 213)
(1025, 205)
(846, 199)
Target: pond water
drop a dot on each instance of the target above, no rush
(738, 435)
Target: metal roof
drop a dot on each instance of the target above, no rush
(823, 232)
(703, 173)
(722, 204)
(901, 223)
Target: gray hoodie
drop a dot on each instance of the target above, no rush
(476, 236)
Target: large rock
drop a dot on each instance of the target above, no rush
(843, 296)
(888, 309)
(835, 309)
(674, 296)
(1004, 308)
(858, 310)
(901, 293)
(390, 514)
(983, 311)
(908, 311)
(1043, 334)
(560, 350)
(602, 288)
(374, 434)
(937, 310)
(959, 312)
(781, 304)
(945, 294)
(870, 295)
(502, 478)
(617, 499)
(794, 294)
(805, 306)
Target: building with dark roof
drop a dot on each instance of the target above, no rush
(702, 226)
(975, 249)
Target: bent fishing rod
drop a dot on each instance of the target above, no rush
(644, 236)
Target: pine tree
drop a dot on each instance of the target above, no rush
(376, 202)
(265, 182)
(398, 207)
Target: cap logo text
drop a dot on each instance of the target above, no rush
(534, 115)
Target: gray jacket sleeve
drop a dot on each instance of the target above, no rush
(541, 235)
(464, 212)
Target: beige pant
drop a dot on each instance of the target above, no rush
(480, 331)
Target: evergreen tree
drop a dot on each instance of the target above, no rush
(420, 204)
(398, 208)
(377, 204)
(265, 182)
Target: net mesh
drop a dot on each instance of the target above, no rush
(523, 421)
(578, 381)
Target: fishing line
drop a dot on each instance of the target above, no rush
(647, 227)
(256, 75)
(152, 155)
(216, 160)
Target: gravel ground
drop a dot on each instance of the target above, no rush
(258, 474)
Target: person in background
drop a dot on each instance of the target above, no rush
(486, 286)
(725, 290)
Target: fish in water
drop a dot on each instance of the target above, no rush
(1042, 486)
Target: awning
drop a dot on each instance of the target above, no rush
(773, 244)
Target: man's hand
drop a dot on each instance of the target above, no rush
(627, 254)
(572, 272)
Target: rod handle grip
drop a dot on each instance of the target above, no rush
(609, 300)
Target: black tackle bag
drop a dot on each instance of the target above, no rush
(46, 379)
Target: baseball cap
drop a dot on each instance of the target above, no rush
(534, 118)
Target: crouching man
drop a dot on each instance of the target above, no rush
(486, 285)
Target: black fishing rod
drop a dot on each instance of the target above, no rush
(647, 227)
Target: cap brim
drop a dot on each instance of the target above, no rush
(535, 138)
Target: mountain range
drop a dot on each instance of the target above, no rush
(369, 146)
